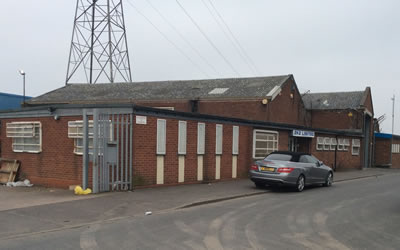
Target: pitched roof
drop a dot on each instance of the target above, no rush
(163, 90)
(334, 100)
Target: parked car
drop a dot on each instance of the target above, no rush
(290, 169)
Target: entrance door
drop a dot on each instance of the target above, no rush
(293, 144)
(304, 144)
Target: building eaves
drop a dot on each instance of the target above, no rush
(51, 110)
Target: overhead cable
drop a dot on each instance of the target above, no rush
(207, 38)
(234, 37)
(183, 38)
(169, 40)
(235, 46)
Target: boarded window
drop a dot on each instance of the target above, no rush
(218, 139)
(264, 143)
(26, 136)
(355, 149)
(182, 138)
(161, 136)
(235, 140)
(201, 136)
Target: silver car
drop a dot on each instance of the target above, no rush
(291, 169)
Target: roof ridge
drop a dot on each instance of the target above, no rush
(336, 92)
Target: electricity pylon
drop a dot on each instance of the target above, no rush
(99, 50)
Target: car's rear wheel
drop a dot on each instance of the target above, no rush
(259, 184)
(328, 180)
(301, 181)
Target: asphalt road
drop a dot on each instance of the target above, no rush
(358, 214)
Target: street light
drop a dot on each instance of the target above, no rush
(23, 76)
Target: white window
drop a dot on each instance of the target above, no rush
(201, 138)
(182, 138)
(355, 146)
(161, 136)
(343, 144)
(395, 148)
(264, 142)
(327, 143)
(320, 143)
(75, 131)
(26, 136)
(218, 139)
(333, 143)
(235, 140)
(346, 144)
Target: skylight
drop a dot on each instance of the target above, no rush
(218, 91)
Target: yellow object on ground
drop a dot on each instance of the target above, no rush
(79, 191)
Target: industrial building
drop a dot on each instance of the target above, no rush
(166, 133)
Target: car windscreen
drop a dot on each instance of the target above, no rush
(279, 157)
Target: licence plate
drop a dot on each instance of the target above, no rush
(269, 169)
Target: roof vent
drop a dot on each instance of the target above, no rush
(218, 91)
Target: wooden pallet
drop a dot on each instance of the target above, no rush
(8, 170)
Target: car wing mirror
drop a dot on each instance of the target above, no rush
(320, 163)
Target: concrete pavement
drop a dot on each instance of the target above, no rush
(46, 210)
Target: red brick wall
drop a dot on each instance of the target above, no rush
(336, 119)
(382, 153)
(56, 165)
(344, 159)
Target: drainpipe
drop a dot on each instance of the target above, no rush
(334, 165)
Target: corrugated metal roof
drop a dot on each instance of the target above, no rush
(11, 101)
(163, 90)
(333, 100)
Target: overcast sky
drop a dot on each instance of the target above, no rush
(330, 45)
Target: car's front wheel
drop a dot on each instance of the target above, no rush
(328, 180)
(301, 181)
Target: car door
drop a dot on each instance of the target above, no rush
(304, 161)
(318, 172)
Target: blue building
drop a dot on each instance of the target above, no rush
(11, 101)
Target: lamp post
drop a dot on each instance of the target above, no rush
(23, 77)
(391, 140)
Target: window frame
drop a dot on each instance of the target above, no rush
(255, 141)
(78, 137)
(333, 144)
(327, 143)
(354, 145)
(320, 143)
(25, 136)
